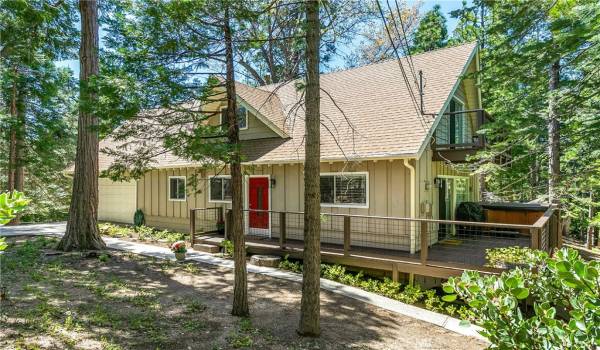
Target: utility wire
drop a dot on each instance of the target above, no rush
(406, 48)
(404, 76)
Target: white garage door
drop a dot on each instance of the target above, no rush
(116, 201)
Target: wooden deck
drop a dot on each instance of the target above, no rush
(444, 259)
(440, 248)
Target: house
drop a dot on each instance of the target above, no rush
(380, 156)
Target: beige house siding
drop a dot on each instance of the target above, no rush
(389, 191)
(256, 128)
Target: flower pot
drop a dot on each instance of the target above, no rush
(180, 256)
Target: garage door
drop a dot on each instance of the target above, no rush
(116, 201)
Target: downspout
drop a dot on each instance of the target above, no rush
(412, 204)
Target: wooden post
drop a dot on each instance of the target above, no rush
(192, 226)
(282, 228)
(347, 240)
(395, 274)
(424, 242)
(220, 214)
(535, 238)
(228, 219)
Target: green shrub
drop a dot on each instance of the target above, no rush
(227, 247)
(294, 266)
(564, 291)
(144, 233)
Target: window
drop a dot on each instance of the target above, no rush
(242, 115)
(344, 189)
(177, 188)
(219, 189)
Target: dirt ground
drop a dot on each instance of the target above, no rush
(124, 301)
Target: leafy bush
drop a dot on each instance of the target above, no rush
(504, 257)
(227, 247)
(294, 266)
(386, 287)
(10, 205)
(144, 233)
(564, 291)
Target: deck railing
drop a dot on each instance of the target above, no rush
(205, 221)
(424, 241)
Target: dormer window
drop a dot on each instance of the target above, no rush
(242, 115)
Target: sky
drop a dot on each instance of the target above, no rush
(446, 7)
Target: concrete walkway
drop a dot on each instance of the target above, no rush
(444, 321)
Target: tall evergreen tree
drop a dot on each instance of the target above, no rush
(311, 286)
(180, 60)
(537, 84)
(36, 97)
(82, 228)
(432, 32)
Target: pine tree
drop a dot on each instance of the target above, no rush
(82, 228)
(311, 274)
(36, 98)
(432, 32)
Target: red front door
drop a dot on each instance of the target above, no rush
(258, 199)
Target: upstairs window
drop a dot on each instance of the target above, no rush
(219, 189)
(177, 188)
(242, 115)
(344, 190)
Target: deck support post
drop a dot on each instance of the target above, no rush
(228, 219)
(395, 273)
(535, 238)
(424, 242)
(220, 214)
(282, 228)
(347, 238)
(192, 227)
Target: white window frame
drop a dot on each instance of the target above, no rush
(169, 189)
(358, 206)
(225, 107)
(209, 186)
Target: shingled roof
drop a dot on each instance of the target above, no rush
(366, 112)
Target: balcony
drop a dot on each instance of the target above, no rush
(456, 135)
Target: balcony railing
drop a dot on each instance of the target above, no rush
(459, 151)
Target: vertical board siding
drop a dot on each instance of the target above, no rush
(389, 189)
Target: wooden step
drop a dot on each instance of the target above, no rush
(207, 248)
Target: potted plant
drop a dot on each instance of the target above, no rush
(179, 249)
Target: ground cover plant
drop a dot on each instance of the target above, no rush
(142, 233)
(429, 299)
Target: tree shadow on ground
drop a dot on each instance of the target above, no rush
(144, 303)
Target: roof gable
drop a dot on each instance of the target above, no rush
(367, 112)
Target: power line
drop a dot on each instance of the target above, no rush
(406, 48)
(404, 76)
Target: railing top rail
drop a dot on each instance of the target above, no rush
(211, 208)
(545, 217)
(455, 222)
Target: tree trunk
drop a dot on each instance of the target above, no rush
(590, 231)
(12, 138)
(240, 285)
(82, 227)
(310, 305)
(553, 133)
